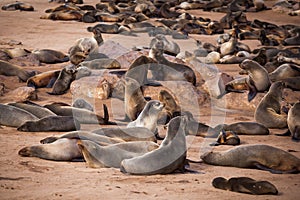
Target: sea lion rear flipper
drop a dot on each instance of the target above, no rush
(273, 171)
(287, 133)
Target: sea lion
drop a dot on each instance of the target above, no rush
(128, 134)
(171, 108)
(281, 58)
(293, 122)
(292, 83)
(83, 135)
(98, 156)
(45, 79)
(105, 28)
(284, 71)
(134, 100)
(8, 69)
(169, 157)
(229, 47)
(18, 6)
(166, 70)
(102, 63)
(63, 81)
(49, 56)
(149, 116)
(170, 47)
(36, 110)
(13, 116)
(245, 128)
(82, 115)
(51, 123)
(227, 138)
(268, 111)
(258, 156)
(61, 150)
(165, 11)
(295, 39)
(82, 103)
(64, 15)
(258, 79)
(245, 185)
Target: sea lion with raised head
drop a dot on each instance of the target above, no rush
(258, 156)
(268, 111)
(97, 156)
(245, 185)
(169, 157)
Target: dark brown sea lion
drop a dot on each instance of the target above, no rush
(245, 185)
(169, 157)
(259, 156)
(268, 111)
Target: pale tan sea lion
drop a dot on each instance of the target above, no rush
(13, 116)
(268, 111)
(259, 156)
(169, 157)
(98, 156)
(245, 185)
(45, 79)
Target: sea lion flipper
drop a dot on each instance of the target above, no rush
(273, 171)
(47, 140)
(296, 134)
(252, 93)
(105, 113)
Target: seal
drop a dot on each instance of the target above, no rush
(169, 71)
(245, 128)
(82, 103)
(258, 156)
(8, 69)
(134, 99)
(171, 108)
(49, 56)
(61, 150)
(18, 6)
(169, 157)
(245, 185)
(102, 63)
(97, 156)
(45, 79)
(35, 109)
(284, 71)
(83, 135)
(258, 79)
(128, 134)
(268, 111)
(293, 122)
(64, 80)
(51, 123)
(13, 116)
(149, 116)
(82, 115)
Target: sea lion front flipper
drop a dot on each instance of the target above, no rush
(105, 113)
(51, 82)
(48, 140)
(287, 133)
(252, 91)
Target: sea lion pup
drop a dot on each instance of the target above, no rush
(245, 128)
(293, 122)
(82, 103)
(171, 108)
(60, 150)
(169, 157)
(82, 115)
(245, 185)
(49, 56)
(166, 70)
(97, 156)
(36, 110)
(51, 123)
(284, 71)
(227, 138)
(85, 46)
(83, 135)
(295, 39)
(8, 69)
(149, 116)
(64, 80)
(128, 134)
(45, 79)
(102, 63)
(134, 99)
(258, 79)
(258, 156)
(169, 47)
(105, 28)
(13, 116)
(268, 111)
(18, 6)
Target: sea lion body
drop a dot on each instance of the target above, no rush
(284, 71)
(50, 56)
(103, 63)
(247, 128)
(268, 111)
(45, 79)
(36, 110)
(255, 156)
(170, 155)
(13, 116)
(98, 156)
(8, 69)
(60, 150)
(51, 123)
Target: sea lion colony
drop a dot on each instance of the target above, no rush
(267, 70)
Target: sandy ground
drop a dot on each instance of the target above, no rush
(33, 178)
